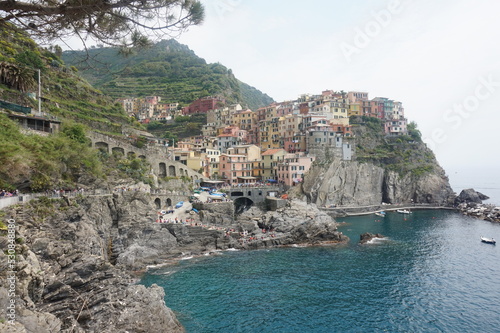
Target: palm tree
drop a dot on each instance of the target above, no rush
(17, 77)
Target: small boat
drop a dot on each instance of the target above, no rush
(381, 214)
(403, 211)
(488, 240)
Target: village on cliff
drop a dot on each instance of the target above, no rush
(276, 143)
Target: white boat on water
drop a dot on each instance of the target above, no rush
(488, 240)
(403, 211)
(381, 214)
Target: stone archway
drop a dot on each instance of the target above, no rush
(171, 171)
(168, 202)
(104, 146)
(118, 151)
(131, 155)
(163, 170)
(242, 205)
(142, 157)
(158, 203)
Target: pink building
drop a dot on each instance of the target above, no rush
(395, 127)
(236, 169)
(293, 167)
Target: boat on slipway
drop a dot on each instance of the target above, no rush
(488, 240)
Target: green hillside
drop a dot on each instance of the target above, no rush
(65, 94)
(167, 69)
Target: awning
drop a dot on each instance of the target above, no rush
(247, 177)
(272, 180)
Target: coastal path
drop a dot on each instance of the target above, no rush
(341, 211)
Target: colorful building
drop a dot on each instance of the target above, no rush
(270, 160)
(292, 168)
(203, 105)
(236, 169)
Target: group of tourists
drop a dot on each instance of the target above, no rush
(5, 194)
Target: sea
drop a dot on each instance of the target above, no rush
(429, 273)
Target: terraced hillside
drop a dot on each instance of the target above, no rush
(167, 69)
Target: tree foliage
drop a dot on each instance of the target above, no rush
(110, 22)
(17, 77)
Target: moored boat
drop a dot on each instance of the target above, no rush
(403, 211)
(488, 240)
(381, 214)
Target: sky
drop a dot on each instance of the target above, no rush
(441, 59)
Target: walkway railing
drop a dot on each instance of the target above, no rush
(26, 197)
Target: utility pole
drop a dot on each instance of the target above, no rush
(39, 94)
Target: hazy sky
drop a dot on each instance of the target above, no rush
(440, 58)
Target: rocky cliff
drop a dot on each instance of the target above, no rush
(77, 259)
(346, 183)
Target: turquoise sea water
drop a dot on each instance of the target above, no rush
(430, 274)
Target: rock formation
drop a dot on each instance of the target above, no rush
(346, 183)
(470, 195)
(66, 280)
(366, 237)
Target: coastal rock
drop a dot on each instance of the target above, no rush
(366, 237)
(66, 277)
(481, 211)
(344, 183)
(470, 195)
(298, 223)
(349, 183)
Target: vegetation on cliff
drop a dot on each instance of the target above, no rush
(39, 162)
(181, 127)
(167, 69)
(403, 154)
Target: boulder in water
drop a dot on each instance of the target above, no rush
(366, 237)
(470, 195)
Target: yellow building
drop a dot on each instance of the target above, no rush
(355, 109)
(270, 160)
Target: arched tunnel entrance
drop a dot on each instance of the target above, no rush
(242, 205)
(158, 203)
